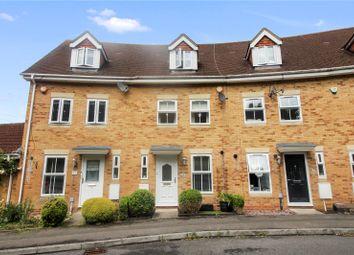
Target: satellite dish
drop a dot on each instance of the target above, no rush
(222, 97)
(122, 86)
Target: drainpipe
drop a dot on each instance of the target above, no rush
(27, 139)
(9, 187)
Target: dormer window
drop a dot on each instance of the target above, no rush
(183, 54)
(87, 52)
(264, 49)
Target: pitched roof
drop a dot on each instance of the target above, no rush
(303, 52)
(11, 137)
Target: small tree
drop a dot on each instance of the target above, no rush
(8, 166)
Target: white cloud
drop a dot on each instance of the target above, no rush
(320, 23)
(107, 13)
(108, 19)
(6, 17)
(91, 11)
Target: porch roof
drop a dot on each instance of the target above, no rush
(166, 149)
(92, 150)
(295, 147)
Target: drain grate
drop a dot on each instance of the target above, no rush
(92, 251)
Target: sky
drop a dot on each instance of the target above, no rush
(31, 29)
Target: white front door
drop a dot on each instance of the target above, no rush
(166, 181)
(92, 175)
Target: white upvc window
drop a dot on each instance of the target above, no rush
(351, 159)
(60, 110)
(183, 59)
(200, 112)
(254, 110)
(290, 108)
(53, 180)
(85, 57)
(144, 167)
(115, 167)
(166, 112)
(96, 111)
(266, 55)
(202, 173)
(321, 168)
(259, 173)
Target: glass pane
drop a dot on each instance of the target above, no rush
(166, 173)
(167, 106)
(197, 182)
(55, 110)
(66, 111)
(259, 182)
(102, 111)
(249, 103)
(285, 114)
(91, 111)
(205, 163)
(80, 56)
(320, 170)
(60, 165)
(197, 163)
(144, 172)
(58, 184)
(259, 115)
(116, 161)
(187, 61)
(249, 115)
(115, 172)
(269, 53)
(206, 182)
(200, 117)
(295, 113)
(353, 157)
(200, 105)
(92, 170)
(167, 118)
(50, 165)
(144, 160)
(46, 184)
(89, 56)
(171, 118)
(257, 163)
(319, 158)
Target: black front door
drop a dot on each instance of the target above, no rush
(296, 177)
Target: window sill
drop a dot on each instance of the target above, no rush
(297, 122)
(167, 125)
(207, 193)
(195, 125)
(250, 124)
(96, 125)
(44, 196)
(260, 194)
(63, 125)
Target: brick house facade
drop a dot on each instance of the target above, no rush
(262, 118)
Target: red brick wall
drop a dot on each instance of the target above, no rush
(86, 44)
(184, 46)
(265, 41)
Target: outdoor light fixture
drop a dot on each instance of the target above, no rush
(277, 158)
(184, 160)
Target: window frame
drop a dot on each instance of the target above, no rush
(351, 161)
(60, 111)
(252, 192)
(97, 102)
(203, 172)
(324, 176)
(287, 107)
(254, 109)
(191, 111)
(142, 165)
(61, 174)
(115, 166)
(159, 111)
(84, 59)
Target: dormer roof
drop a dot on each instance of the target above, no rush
(350, 44)
(88, 36)
(183, 38)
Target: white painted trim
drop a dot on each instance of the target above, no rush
(65, 172)
(307, 177)
(351, 161)
(209, 79)
(95, 122)
(60, 111)
(190, 112)
(146, 166)
(87, 36)
(269, 35)
(263, 108)
(265, 193)
(321, 163)
(300, 108)
(182, 38)
(203, 172)
(171, 111)
(115, 166)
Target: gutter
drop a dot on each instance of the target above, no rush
(194, 79)
(27, 139)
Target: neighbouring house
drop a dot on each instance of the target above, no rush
(10, 146)
(271, 118)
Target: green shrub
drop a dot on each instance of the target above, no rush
(238, 201)
(190, 201)
(141, 203)
(54, 212)
(12, 213)
(99, 210)
(123, 208)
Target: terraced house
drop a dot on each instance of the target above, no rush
(271, 118)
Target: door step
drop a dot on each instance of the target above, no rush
(166, 213)
(304, 211)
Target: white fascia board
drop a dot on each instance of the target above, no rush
(183, 39)
(153, 80)
(269, 35)
(89, 37)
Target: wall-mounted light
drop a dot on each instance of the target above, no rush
(43, 89)
(277, 158)
(184, 160)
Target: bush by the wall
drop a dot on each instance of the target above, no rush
(123, 208)
(141, 203)
(190, 201)
(54, 212)
(99, 210)
(12, 213)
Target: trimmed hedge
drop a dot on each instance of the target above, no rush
(99, 210)
(123, 209)
(190, 201)
(54, 212)
(141, 203)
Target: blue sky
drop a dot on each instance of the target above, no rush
(30, 29)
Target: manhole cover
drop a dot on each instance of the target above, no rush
(94, 251)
